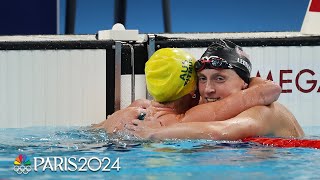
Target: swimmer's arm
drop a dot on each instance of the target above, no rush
(270, 91)
(242, 126)
(261, 92)
(218, 130)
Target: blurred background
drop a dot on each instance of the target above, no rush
(150, 16)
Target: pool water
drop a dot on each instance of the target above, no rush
(187, 159)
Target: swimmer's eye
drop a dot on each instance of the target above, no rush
(202, 79)
(220, 79)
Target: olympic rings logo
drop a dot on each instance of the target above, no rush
(22, 169)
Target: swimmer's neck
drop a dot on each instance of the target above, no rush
(163, 106)
(162, 111)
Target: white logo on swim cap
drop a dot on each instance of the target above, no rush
(245, 63)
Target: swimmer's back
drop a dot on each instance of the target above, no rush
(287, 120)
(274, 120)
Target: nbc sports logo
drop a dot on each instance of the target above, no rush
(22, 164)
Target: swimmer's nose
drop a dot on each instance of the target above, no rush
(209, 89)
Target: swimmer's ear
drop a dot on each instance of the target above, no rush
(245, 85)
(197, 93)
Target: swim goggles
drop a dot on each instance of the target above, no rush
(211, 62)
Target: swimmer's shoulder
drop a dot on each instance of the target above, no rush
(143, 103)
(167, 119)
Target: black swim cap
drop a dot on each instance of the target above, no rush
(233, 54)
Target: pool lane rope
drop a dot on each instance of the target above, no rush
(285, 143)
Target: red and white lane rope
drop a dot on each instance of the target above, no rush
(286, 143)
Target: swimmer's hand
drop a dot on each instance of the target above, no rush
(267, 91)
(119, 119)
(143, 129)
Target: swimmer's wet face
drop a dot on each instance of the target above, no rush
(223, 69)
(216, 84)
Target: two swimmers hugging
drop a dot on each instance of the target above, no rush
(232, 106)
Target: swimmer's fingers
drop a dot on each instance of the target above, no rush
(99, 125)
(137, 122)
(140, 132)
(149, 124)
(131, 127)
(95, 126)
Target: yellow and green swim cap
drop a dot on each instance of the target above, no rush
(170, 74)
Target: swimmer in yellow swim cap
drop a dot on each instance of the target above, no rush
(170, 74)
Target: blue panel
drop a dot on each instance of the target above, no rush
(28, 17)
